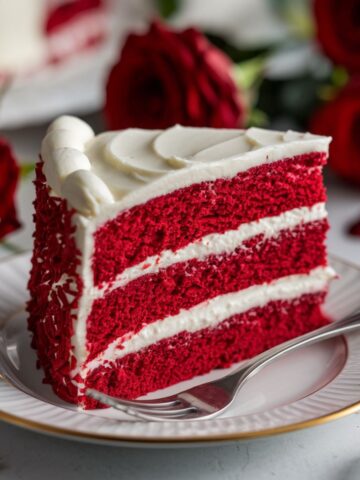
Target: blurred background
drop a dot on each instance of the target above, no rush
(281, 64)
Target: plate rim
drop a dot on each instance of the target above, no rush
(200, 440)
(132, 441)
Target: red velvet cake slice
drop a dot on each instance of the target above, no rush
(160, 255)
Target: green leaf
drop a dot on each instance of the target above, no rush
(258, 118)
(167, 8)
(250, 73)
(339, 77)
(26, 169)
(10, 247)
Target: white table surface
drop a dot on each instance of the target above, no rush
(330, 452)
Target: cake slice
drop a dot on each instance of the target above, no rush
(161, 255)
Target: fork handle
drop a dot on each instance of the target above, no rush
(341, 327)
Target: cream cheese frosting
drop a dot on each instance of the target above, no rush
(117, 170)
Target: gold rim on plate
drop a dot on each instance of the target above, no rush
(65, 432)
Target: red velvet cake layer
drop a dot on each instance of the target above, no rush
(184, 285)
(179, 218)
(53, 297)
(186, 355)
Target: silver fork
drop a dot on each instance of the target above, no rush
(212, 398)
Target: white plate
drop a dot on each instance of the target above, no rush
(306, 388)
(75, 85)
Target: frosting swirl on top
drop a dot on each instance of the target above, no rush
(131, 151)
(91, 172)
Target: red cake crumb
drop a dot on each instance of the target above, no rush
(50, 308)
(186, 355)
(176, 219)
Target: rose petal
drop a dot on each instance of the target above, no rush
(340, 118)
(338, 30)
(9, 173)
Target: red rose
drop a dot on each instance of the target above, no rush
(166, 77)
(340, 118)
(9, 173)
(338, 30)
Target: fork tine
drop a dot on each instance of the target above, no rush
(155, 404)
(162, 403)
(106, 400)
(138, 412)
(157, 408)
(161, 412)
(151, 403)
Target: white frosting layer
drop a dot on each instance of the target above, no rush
(87, 190)
(212, 312)
(218, 244)
(136, 165)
